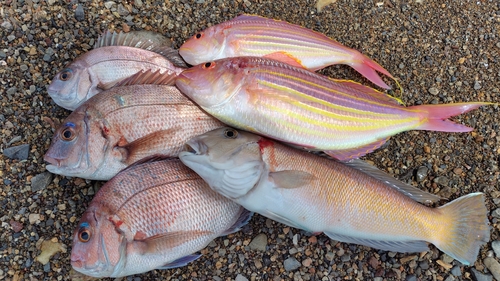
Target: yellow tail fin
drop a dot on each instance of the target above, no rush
(469, 228)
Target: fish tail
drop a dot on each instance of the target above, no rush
(368, 68)
(434, 116)
(468, 228)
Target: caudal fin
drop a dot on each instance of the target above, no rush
(435, 116)
(368, 68)
(467, 217)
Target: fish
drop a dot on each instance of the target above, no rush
(343, 201)
(251, 35)
(115, 57)
(124, 124)
(343, 118)
(156, 214)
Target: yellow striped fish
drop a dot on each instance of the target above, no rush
(343, 118)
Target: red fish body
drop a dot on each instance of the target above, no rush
(153, 215)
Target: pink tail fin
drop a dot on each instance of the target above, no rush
(434, 116)
(368, 68)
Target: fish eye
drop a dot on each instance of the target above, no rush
(209, 65)
(68, 134)
(230, 133)
(66, 74)
(84, 234)
(198, 35)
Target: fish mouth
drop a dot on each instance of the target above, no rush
(195, 147)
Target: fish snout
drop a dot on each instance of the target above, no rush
(51, 160)
(76, 263)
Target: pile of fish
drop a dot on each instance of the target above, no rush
(141, 114)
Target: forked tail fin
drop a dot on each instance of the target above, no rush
(435, 116)
(368, 68)
(468, 231)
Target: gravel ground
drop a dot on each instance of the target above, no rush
(440, 52)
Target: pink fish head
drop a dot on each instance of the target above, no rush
(97, 246)
(70, 86)
(212, 83)
(204, 46)
(72, 152)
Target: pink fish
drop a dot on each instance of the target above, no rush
(249, 35)
(343, 118)
(124, 124)
(154, 215)
(114, 58)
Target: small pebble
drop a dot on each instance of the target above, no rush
(259, 242)
(41, 181)
(433, 91)
(456, 271)
(493, 266)
(411, 278)
(478, 276)
(79, 13)
(19, 152)
(496, 213)
(291, 264)
(442, 180)
(477, 85)
(34, 218)
(16, 226)
(240, 277)
(11, 91)
(422, 173)
(495, 245)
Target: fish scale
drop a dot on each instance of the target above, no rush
(143, 205)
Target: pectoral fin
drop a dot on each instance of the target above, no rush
(352, 153)
(145, 146)
(169, 240)
(291, 178)
(286, 58)
(181, 261)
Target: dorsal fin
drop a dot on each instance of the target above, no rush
(408, 190)
(149, 77)
(147, 40)
(172, 55)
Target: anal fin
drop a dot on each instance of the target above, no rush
(181, 261)
(352, 153)
(244, 218)
(409, 246)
